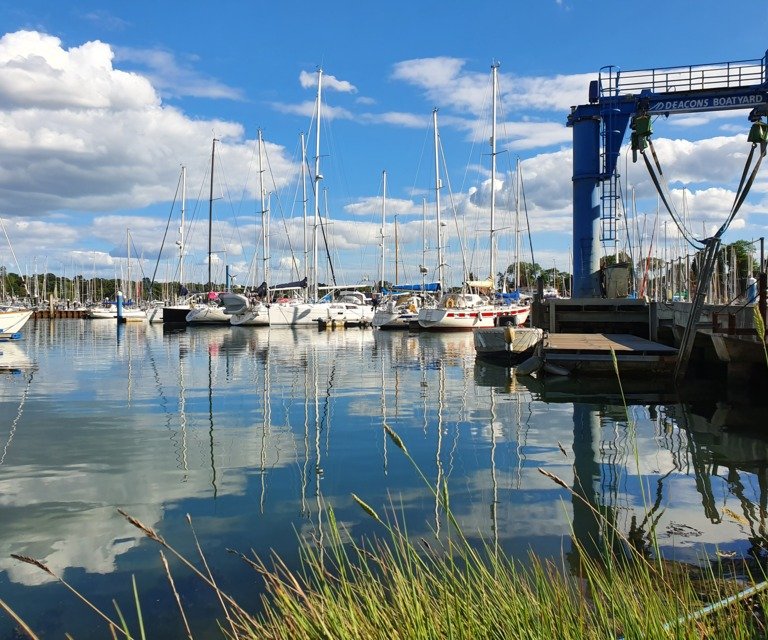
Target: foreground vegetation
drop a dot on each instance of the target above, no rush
(394, 587)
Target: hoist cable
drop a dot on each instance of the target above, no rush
(742, 193)
(664, 198)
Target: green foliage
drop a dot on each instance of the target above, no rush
(745, 256)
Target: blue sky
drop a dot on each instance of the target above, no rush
(102, 102)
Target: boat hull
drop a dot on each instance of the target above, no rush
(457, 319)
(11, 322)
(393, 320)
(297, 314)
(129, 315)
(506, 345)
(254, 317)
(207, 314)
(175, 314)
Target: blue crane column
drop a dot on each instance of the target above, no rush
(586, 207)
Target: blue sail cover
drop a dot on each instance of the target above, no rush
(512, 296)
(431, 287)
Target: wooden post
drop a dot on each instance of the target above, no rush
(653, 321)
(762, 284)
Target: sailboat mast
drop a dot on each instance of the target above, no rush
(318, 178)
(210, 216)
(437, 201)
(383, 222)
(304, 203)
(517, 225)
(494, 71)
(422, 268)
(128, 255)
(181, 227)
(397, 256)
(264, 217)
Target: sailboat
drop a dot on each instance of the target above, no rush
(12, 318)
(12, 321)
(466, 310)
(400, 306)
(351, 308)
(175, 313)
(210, 311)
(251, 310)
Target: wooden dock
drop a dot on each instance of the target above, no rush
(594, 353)
(59, 313)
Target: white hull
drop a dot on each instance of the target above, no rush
(110, 313)
(383, 319)
(11, 322)
(155, 314)
(253, 317)
(399, 311)
(297, 314)
(244, 312)
(207, 314)
(306, 314)
(457, 319)
(506, 342)
(348, 314)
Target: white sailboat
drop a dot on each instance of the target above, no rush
(296, 312)
(400, 306)
(12, 318)
(177, 312)
(467, 310)
(210, 311)
(12, 321)
(252, 310)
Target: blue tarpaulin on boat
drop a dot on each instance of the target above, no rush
(512, 296)
(428, 286)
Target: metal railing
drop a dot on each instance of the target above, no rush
(719, 75)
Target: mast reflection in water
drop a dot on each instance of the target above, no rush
(254, 433)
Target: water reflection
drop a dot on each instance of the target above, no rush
(640, 456)
(256, 432)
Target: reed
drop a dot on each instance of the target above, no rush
(760, 329)
(392, 586)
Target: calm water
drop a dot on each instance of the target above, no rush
(253, 432)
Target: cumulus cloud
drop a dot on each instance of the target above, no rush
(82, 138)
(85, 141)
(372, 206)
(307, 80)
(444, 81)
(37, 73)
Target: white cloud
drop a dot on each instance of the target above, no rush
(37, 73)
(307, 80)
(172, 78)
(308, 109)
(372, 207)
(444, 81)
(80, 135)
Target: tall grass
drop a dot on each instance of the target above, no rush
(392, 587)
(760, 329)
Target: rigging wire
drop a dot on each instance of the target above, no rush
(294, 262)
(165, 235)
(455, 215)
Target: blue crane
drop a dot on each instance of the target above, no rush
(620, 99)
